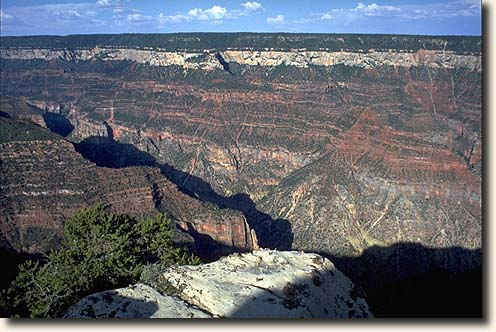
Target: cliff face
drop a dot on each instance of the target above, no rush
(351, 142)
(44, 181)
(262, 284)
(207, 59)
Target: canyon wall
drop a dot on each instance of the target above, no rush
(207, 60)
(402, 124)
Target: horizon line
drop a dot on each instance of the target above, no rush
(245, 32)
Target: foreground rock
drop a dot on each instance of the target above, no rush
(138, 301)
(261, 284)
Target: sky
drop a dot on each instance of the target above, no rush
(64, 17)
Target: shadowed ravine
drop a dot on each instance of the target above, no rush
(107, 152)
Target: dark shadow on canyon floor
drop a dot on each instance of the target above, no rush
(409, 280)
(106, 152)
(58, 123)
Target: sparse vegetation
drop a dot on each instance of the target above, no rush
(100, 250)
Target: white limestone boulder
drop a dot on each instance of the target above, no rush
(260, 284)
(269, 284)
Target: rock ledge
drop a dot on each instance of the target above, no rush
(260, 284)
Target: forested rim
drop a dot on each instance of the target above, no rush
(253, 41)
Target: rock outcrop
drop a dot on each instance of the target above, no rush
(137, 301)
(261, 284)
(208, 60)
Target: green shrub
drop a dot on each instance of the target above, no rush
(100, 250)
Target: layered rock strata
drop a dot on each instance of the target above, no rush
(207, 60)
(44, 181)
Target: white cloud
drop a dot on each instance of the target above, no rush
(305, 20)
(375, 9)
(252, 6)
(214, 13)
(4, 16)
(349, 15)
(95, 21)
(279, 19)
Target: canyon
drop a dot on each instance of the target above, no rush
(336, 144)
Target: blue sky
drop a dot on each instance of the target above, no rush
(59, 17)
